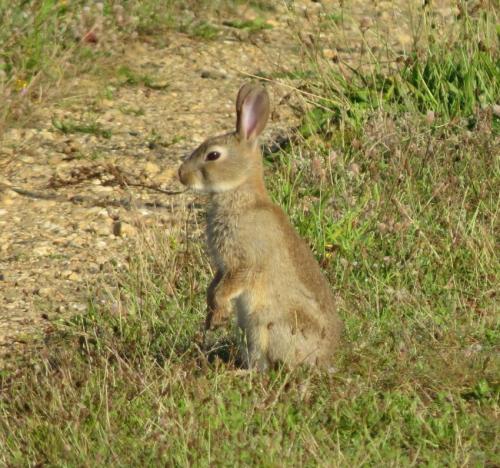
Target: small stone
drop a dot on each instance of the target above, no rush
(404, 39)
(383, 228)
(330, 54)
(104, 229)
(27, 159)
(93, 268)
(46, 292)
(42, 251)
(151, 168)
(8, 198)
(74, 276)
(100, 189)
(214, 74)
(107, 103)
(127, 230)
(317, 168)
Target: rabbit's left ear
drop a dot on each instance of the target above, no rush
(252, 111)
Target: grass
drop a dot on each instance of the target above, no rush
(129, 77)
(251, 26)
(441, 82)
(397, 193)
(92, 128)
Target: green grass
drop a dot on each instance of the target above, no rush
(251, 26)
(126, 76)
(68, 126)
(401, 211)
(443, 83)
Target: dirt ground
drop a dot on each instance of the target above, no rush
(71, 204)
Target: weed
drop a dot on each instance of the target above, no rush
(129, 77)
(251, 26)
(70, 126)
(202, 30)
(449, 82)
(129, 110)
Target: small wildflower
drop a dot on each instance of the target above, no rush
(21, 86)
(331, 54)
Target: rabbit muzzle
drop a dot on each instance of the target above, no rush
(189, 176)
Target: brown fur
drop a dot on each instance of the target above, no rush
(265, 271)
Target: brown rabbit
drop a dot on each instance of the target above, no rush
(283, 302)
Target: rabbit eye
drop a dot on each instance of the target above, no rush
(212, 156)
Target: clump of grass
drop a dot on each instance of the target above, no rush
(129, 77)
(450, 82)
(67, 126)
(202, 30)
(252, 26)
(131, 110)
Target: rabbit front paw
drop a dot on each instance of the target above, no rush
(217, 316)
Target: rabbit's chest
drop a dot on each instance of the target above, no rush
(224, 241)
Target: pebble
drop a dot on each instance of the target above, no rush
(42, 251)
(151, 168)
(214, 74)
(46, 292)
(127, 230)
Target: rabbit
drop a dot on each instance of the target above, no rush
(264, 270)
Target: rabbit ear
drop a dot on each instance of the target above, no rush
(252, 111)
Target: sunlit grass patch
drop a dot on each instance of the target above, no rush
(442, 82)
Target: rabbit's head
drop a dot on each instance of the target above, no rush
(225, 162)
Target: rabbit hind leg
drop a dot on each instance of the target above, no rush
(253, 348)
